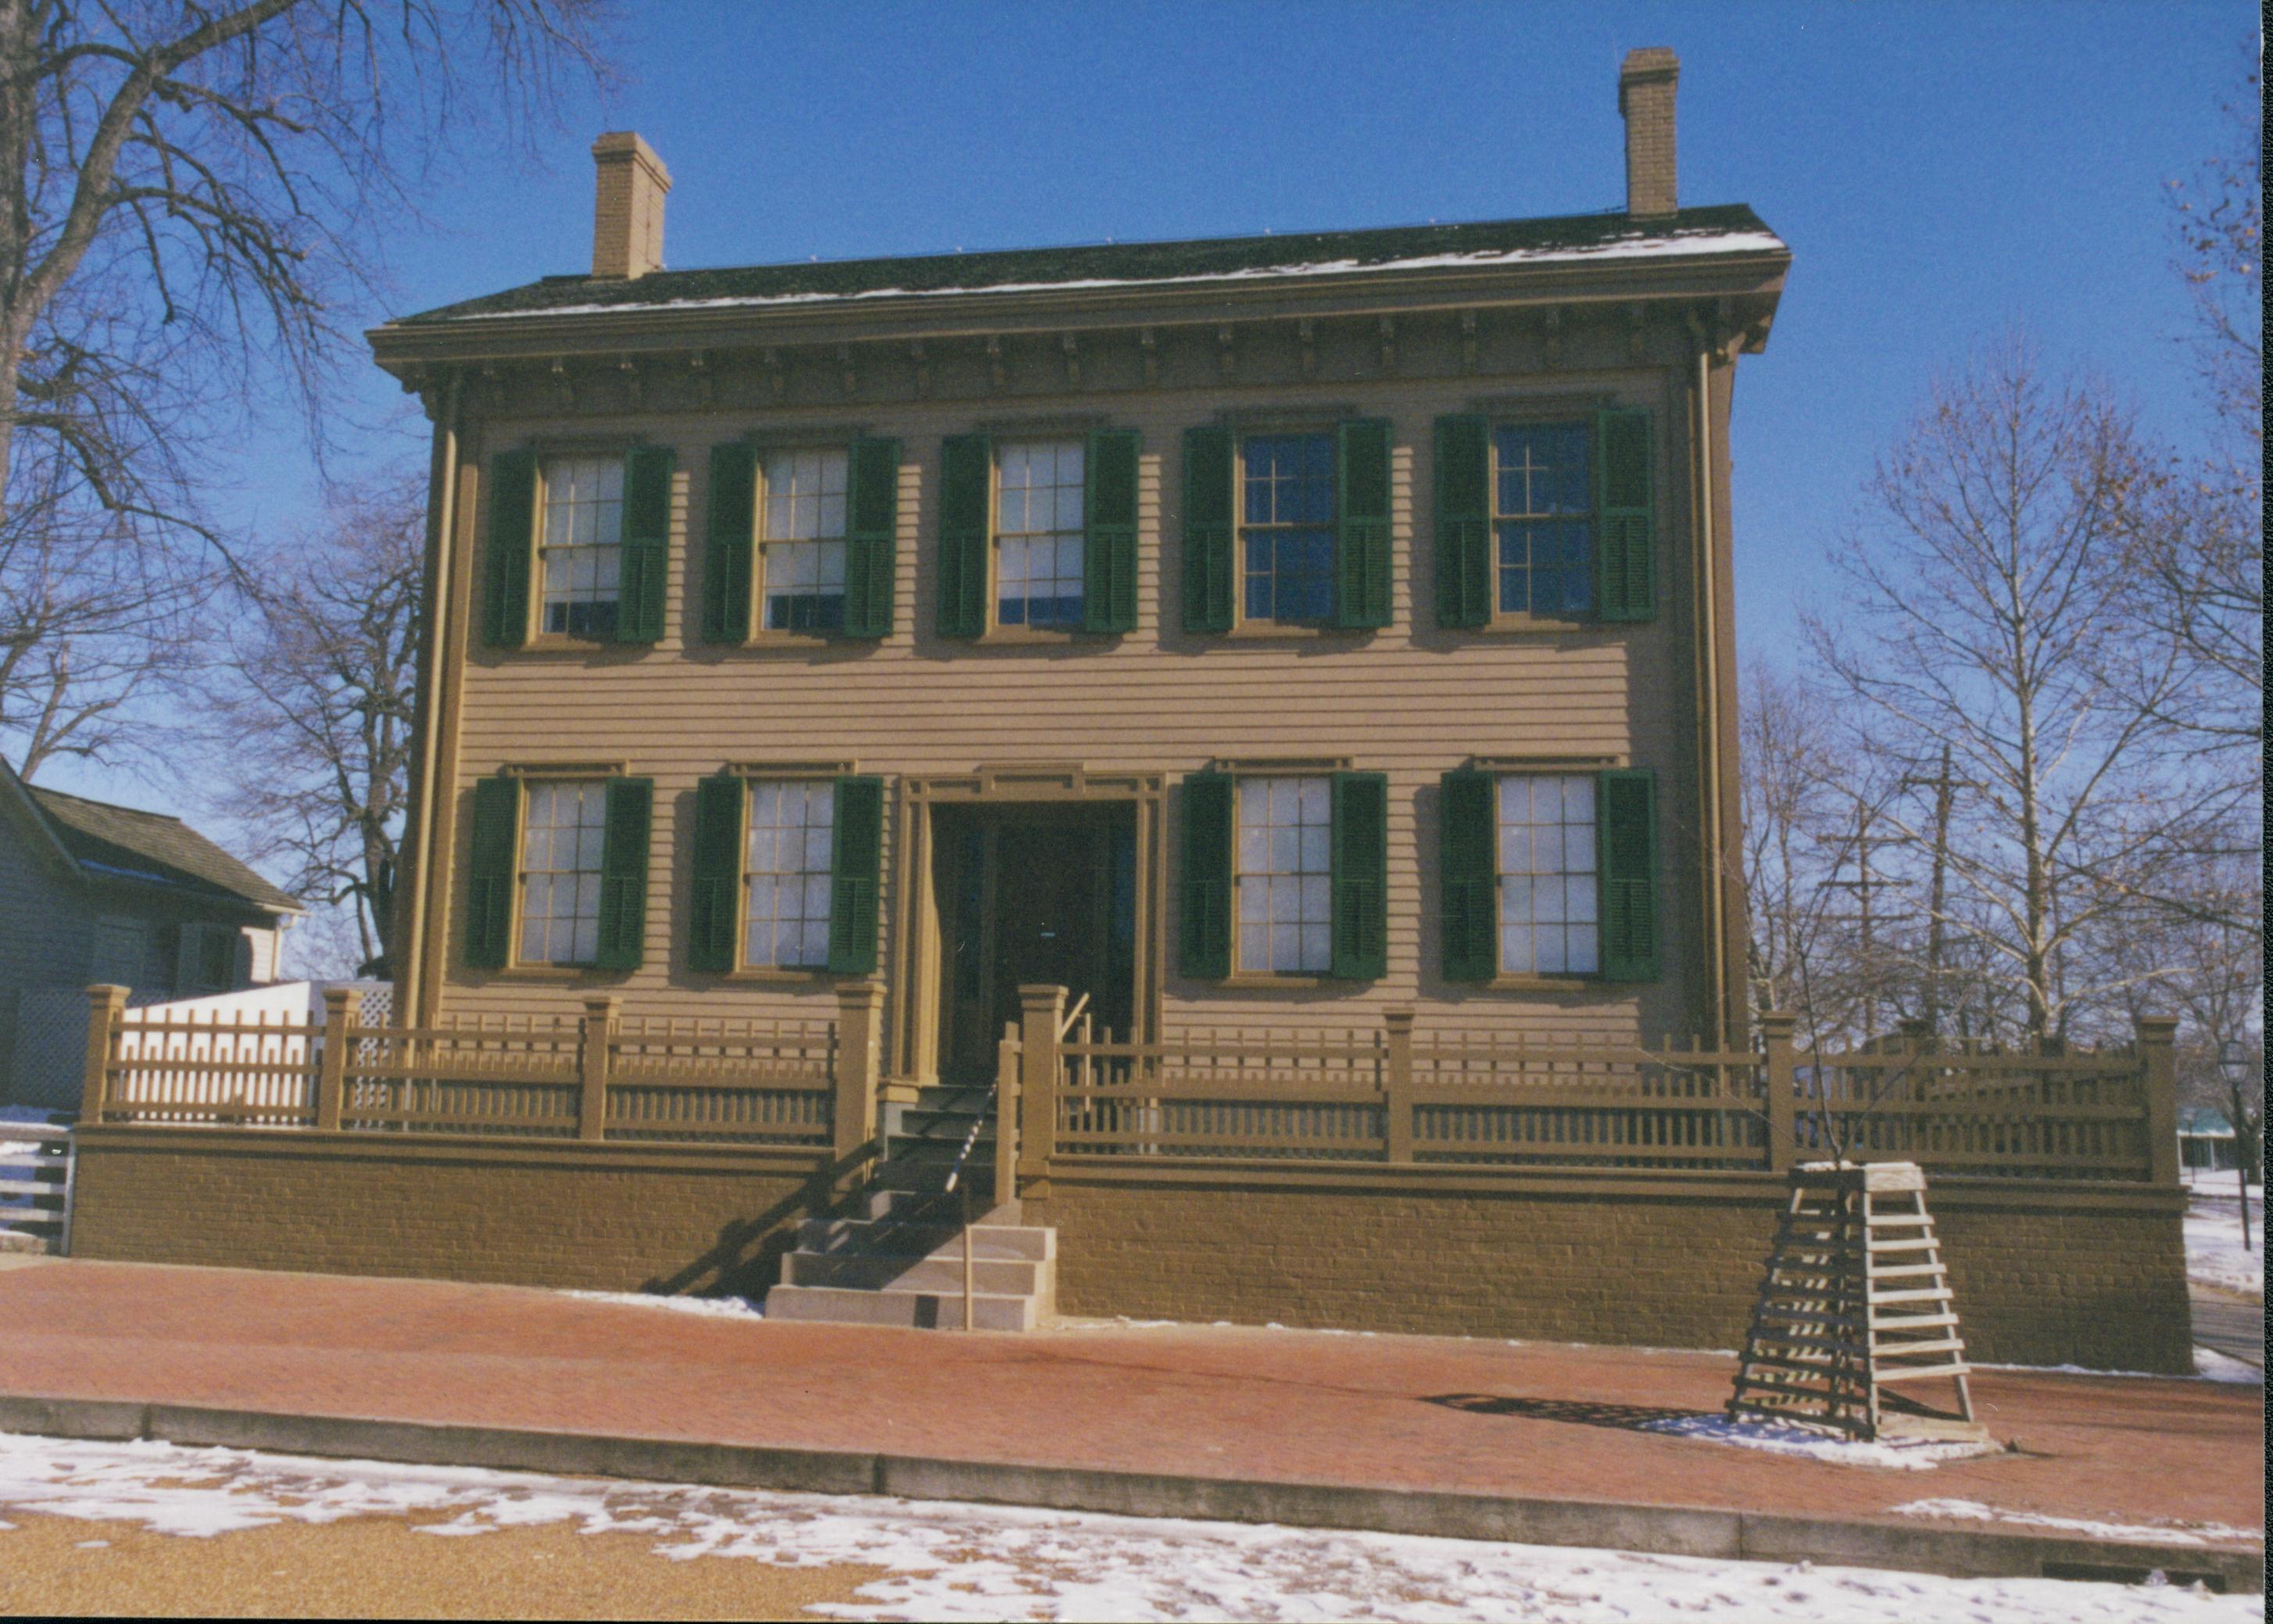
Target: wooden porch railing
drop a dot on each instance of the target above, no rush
(1394, 1096)
(600, 1076)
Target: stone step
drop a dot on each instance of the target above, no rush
(929, 1174)
(874, 1272)
(928, 1206)
(892, 1237)
(922, 1310)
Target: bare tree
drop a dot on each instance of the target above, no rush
(198, 197)
(314, 703)
(1980, 606)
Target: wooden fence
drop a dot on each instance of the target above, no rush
(1397, 1096)
(1069, 1096)
(600, 1076)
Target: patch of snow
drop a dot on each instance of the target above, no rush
(2215, 1254)
(1629, 248)
(2211, 1365)
(1776, 1438)
(2172, 1532)
(961, 1562)
(712, 1307)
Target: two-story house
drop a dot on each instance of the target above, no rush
(1262, 631)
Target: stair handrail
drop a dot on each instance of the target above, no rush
(1072, 1016)
(956, 1186)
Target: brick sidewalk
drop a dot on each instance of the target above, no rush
(1540, 1419)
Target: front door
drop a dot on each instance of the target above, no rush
(1029, 895)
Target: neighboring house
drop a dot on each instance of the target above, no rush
(2206, 1140)
(1262, 631)
(90, 892)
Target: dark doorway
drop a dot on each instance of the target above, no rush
(1031, 894)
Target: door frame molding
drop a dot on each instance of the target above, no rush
(911, 984)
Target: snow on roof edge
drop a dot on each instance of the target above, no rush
(1695, 243)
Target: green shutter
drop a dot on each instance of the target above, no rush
(1464, 571)
(1361, 560)
(1109, 541)
(1208, 535)
(488, 872)
(646, 543)
(623, 873)
(1466, 858)
(714, 912)
(1625, 539)
(1203, 894)
(856, 868)
(1625, 813)
(871, 537)
(510, 558)
(966, 478)
(729, 547)
(1359, 861)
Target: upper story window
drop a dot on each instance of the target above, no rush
(785, 873)
(1039, 527)
(1548, 883)
(802, 557)
(1284, 874)
(563, 841)
(1542, 519)
(1287, 529)
(583, 547)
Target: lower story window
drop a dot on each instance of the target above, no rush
(1284, 874)
(786, 874)
(1546, 876)
(562, 836)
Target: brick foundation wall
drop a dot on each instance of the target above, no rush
(2093, 1277)
(606, 1217)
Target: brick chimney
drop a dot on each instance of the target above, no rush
(628, 206)
(1645, 98)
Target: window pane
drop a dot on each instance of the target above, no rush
(1547, 877)
(1288, 503)
(786, 886)
(1543, 503)
(581, 553)
(563, 834)
(1038, 533)
(1286, 903)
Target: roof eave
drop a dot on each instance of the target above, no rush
(1754, 275)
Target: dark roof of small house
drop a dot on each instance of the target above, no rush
(1726, 228)
(120, 842)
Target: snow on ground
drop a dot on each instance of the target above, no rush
(1907, 1454)
(2211, 1365)
(713, 1307)
(2167, 1533)
(2215, 1254)
(955, 1563)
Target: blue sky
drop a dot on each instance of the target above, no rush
(1940, 171)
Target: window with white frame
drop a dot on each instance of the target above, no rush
(792, 848)
(802, 554)
(1038, 533)
(564, 833)
(1284, 876)
(1547, 875)
(583, 552)
(1542, 519)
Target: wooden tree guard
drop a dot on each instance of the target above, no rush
(1855, 1298)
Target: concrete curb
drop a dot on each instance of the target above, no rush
(1667, 1530)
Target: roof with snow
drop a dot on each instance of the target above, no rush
(1731, 228)
(119, 842)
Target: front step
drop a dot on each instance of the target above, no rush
(917, 1310)
(996, 1239)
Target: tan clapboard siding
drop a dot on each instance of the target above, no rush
(1408, 700)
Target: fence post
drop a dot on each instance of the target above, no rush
(599, 1024)
(2158, 1077)
(859, 1010)
(1041, 1011)
(342, 1008)
(1007, 1101)
(107, 1005)
(1783, 1086)
(1397, 1104)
